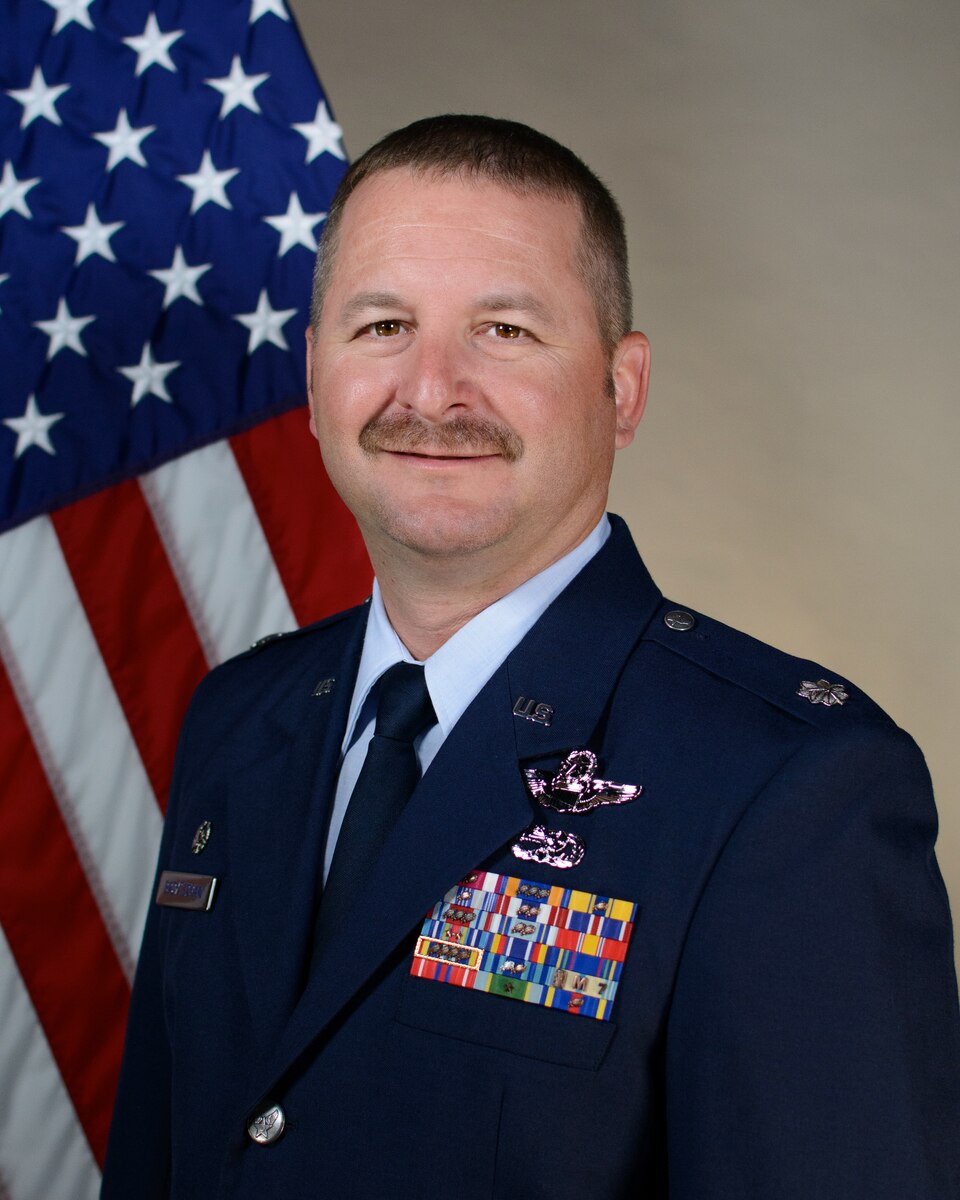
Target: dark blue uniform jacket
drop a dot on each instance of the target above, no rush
(786, 1022)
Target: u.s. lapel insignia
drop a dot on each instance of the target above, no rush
(551, 848)
(533, 710)
(574, 788)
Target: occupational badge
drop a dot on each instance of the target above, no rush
(574, 788)
(551, 847)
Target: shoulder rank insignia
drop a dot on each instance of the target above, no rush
(573, 789)
(823, 692)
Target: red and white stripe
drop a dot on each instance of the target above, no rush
(111, 611)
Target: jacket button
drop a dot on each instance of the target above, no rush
(679, 619)
(268, 1126)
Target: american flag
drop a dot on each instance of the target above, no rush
(164, 172)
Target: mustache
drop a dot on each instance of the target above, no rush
(402, 432)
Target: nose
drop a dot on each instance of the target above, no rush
(434, 380)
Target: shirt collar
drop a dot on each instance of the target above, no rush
(476, 650)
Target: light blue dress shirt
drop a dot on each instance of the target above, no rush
(455, 673)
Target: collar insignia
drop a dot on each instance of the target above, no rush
(533, 710)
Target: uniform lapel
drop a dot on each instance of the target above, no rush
(472, 801)
(572, 658)
(278, 809)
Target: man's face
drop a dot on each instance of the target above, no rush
(458, 386)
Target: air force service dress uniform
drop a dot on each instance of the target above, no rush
(743, 988)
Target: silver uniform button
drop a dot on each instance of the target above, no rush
(268, 1127)
(679, 619)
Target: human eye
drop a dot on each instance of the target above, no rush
(383, 329)
(506, 332)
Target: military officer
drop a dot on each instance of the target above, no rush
(521, 880)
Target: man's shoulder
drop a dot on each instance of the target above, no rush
(276, 661)
(804, 689)
(292, 641)
(710, 666)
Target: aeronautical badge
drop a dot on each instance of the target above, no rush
(552, 848)
(573, 789)
(823, 692)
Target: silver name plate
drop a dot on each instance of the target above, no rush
(180, 889)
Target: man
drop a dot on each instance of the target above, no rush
(660, 919)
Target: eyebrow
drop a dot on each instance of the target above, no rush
(521, 302)
(495, 302)
(364, 301)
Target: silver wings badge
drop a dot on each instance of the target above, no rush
(574, 788)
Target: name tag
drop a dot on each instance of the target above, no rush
(179, 889)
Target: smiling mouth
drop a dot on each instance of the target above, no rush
(428, 456)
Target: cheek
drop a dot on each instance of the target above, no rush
(571, 411)
(527, 398)
(345, 397)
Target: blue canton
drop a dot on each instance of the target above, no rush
(164, 173)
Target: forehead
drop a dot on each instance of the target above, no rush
(398, 217)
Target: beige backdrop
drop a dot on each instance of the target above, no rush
(790, 176)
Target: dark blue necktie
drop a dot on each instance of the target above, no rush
(387, 778)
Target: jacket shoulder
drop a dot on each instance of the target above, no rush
(306, 632)
(800, 687)
(274, 660)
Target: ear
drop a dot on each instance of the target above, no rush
(309, 337)
(631, 376)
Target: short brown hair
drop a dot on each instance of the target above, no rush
(519, 158)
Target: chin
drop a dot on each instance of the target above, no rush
(445, 528)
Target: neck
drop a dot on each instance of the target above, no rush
(429, 597)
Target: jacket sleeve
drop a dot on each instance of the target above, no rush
(813, 1047)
